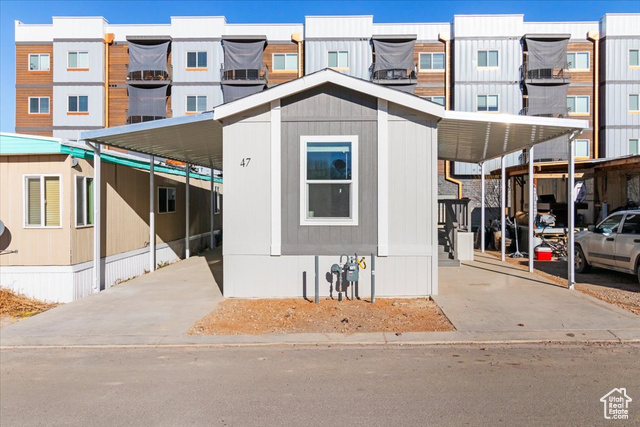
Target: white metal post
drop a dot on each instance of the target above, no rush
(503, 210)
(532, 212)
(152, 218)
(97, 220)
(213, 211)
(186, 209)
(571, 274)
(482, 208)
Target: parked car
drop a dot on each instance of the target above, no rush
(613, 244)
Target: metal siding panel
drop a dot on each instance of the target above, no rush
(509, 60)
(619, 24)
(179, 61)
(96, 106)
(360, 56)
(488, 25)
(578, 30)
(179, 100)
(96, 62)
(338, 26)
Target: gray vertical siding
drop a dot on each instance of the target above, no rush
(329, 110)
(215, 57)
(360, 56)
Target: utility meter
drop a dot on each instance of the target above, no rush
(351, 268)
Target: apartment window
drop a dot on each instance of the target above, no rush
(42, 201)
(78, 104)
(338, 59)
(329, 180)
(196, 104)
(634, 57)
(487, 103)
(78, 60)
(487, 58)
(166, 200)
(431, 61)
(196, 59)
(582, 148)
(216, 200)
(285, 61)
(578, 60)
(436, 99)
(39, 105)
(634, 146)
(634, 103)
(578, 104)
(84, 201)
(39, 62)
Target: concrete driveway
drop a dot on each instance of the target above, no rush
(146, 310)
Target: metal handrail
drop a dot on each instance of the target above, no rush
(150, 75)
(139, 119)
(246, 74)
(455, 211)
(555, 73)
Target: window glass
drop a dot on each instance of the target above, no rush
(80, 200)
(631, 224)
(278, 62)
(482, 103)
(73, 103)
(171, 199)
(333, 59)
(34, 204)
(291, 61)
(52, 201)
(343, 59)
(73, 60)
(634, 146)
(83, 59)
(202, 59)
(83, 104)
(202, 103)
(578, 104)
(438, 61)
(34, 105)
(492, 102)
(493, 58)
(89, 198)
(329, 200)
(34, 62)
(482, 58)
(166, 200)
(582, 61)
(436, 99)
(611, 223)
(328, 161)
(582, 148)
(191, 104)
(633, 102)
(425, 61)
(192, 60)
(162, 200)
(634, 57)
(44, 105)
(39, 62)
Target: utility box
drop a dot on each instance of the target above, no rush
(351, 268)
(464, 245)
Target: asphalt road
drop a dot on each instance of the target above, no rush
(317, 386)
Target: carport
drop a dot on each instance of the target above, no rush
(461, 136)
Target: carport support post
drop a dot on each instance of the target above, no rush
(482, 208)
(571, 274)
(213, 210)
(152, 218)
(97, 222)
(503, 210)
(532, 212)
(186, 213)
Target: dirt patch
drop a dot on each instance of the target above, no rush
(280, 316)
(14, 307)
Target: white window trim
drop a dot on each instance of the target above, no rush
(25, 201)
(629, 146)
(353, 221)
(197, 67)
(588, 61)
(488, 95)
(588, 156)
(84, 205)
(430, 70)
(573, 113)
(487, 67)
(273, 62)
(158, 201)
(38, 55)
(629, 58)
(186, 104)
(338, 51)
(38, 113)
(78, 96)
(629, 103)
(78, 52)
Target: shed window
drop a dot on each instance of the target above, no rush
(78, 104)
(578, 60)
(166, 199)
(634, 146)
(196, 104)
(196, 59)
(84, 201)
(78, 60)
(487, 58)
(487, 102)
(431, 61)
(285, 61)
(582, 148)
(39, 62)
(42, 201)
(634, 102)
(634, 57)
(338, 59)
(578, 104)
(39, 105)
(329, 180)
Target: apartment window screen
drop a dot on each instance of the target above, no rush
(166, 199)
(42, 201)
(285, 61)
(196, 59)
(432, 61)
(338, 59)
(582, 148)
(243, 55)
(487, 58)
(39, 62)
(634, 146)
(487, 102)
(634, 102)
(148, 57)
(39, 105)
(634, 57)
(578, 60)
(78, 60)
(578, 104)
(196, 104)
(436, 99)
(84, 201)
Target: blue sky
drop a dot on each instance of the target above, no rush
(140, 12)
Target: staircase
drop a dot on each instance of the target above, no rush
(446, 255)
(453, 214)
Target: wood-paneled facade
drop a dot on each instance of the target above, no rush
(33, 84)
(279, 77)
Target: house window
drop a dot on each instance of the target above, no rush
(78, 60)
(634, 103)
(329, 180)
(42, 201)
(196, 104)
(166, 200)
(487, 103)
(196, 59)
(78, 104)
(84, 201)
(578, 60)
(285, 61)
(582, 148)
(437, 99)
(634, 146)
(216, 200)
(634, 57)
(338, 59)
(487, 59)
(39, 62)
(39, 105)
(431, 61)
(578, 104)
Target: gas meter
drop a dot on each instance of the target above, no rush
(351, 269)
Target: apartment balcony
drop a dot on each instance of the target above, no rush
(140, 119)
(245, 76)
(149, 77)
(394, 76)
(545, 75)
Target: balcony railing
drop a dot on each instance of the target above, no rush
(150, 76)
(558, 75)
(393, 76)
(563, 113)
(245, 76)
(140, 119)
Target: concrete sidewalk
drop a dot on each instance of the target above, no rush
(487, 301)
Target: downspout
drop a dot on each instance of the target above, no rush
(595, 37)
(297, 37)
(447, 103)
(108, 39)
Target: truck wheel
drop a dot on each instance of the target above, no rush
(580, 261)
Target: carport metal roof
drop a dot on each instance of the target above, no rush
(462, 136)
